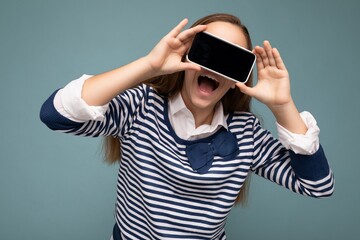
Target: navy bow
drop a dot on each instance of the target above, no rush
(201, 153)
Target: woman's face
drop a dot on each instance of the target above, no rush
(202, 90)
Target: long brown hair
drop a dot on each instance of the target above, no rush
(171, 84)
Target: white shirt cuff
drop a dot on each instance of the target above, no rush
(68, 102)
(306, 144)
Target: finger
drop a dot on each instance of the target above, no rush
(245, 89)
(259, 62)
(188, 34)
(261, 57)
(174, 43)
(189, 66)
(176, 30)
(279, 62)
(262, 54)
(268, 50)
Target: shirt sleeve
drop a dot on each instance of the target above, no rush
(65, 111)
(305, 174)
(69, 103)
(306, 144)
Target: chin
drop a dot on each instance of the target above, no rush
(203, 104)
(203, 90)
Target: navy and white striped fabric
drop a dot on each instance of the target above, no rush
(159, 195)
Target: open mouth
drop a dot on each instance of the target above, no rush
(207, 84)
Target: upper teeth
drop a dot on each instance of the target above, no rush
(203, 75)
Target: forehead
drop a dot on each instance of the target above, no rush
(228, 31)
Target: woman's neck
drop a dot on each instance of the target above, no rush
(202, 116)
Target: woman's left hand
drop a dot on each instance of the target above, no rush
(273, 86)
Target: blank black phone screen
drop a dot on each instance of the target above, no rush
(222, 57)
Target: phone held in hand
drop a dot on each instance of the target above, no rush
(221, 57)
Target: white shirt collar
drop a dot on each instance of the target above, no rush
(183, 121)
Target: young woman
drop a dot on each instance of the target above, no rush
(186, 138)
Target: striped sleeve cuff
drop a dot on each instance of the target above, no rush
(53, 119)
(310, 167)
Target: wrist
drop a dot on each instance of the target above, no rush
(289, 117)
(149, 70)
(284, 108)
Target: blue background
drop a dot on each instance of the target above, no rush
(56, 186)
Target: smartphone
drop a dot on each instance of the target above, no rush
(221, 57)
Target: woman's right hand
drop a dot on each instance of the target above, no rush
(166, 56)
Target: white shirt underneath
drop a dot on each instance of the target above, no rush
(68, 102)
(183, 122)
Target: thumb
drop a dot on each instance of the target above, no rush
(245, 89)
(189, 66)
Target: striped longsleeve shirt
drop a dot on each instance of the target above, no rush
(160, 195)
